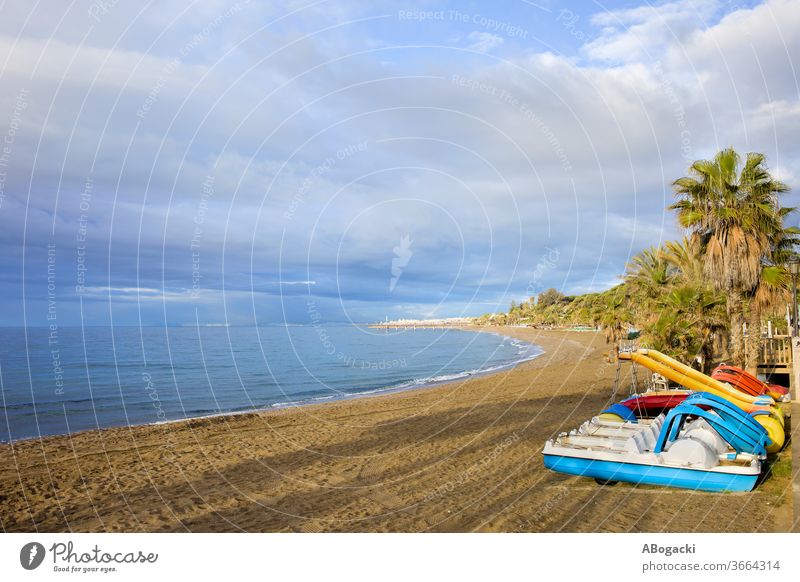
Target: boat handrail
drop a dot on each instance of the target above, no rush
(726, 420)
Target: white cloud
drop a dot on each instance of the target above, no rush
(644, 32)
(748, 59)
(147, 294)
(305, 283)
(484, 41)
(535, 150)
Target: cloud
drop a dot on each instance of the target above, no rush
(644, 32)
(281, 163)
(147, 294)
(484, 41)
(305, 283)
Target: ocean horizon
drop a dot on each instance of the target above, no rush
(71, 379)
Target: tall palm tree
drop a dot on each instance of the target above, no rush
(733, 212)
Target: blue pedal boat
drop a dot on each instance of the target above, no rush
(704, 444)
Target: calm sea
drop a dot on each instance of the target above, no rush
(75, 379)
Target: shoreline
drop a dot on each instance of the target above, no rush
(317, 401)
(463, 457)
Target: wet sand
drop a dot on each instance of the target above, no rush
(463, 456)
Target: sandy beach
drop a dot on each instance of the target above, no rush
(464, 456)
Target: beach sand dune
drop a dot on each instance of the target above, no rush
(462, 456)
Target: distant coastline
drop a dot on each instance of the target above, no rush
(414, 323)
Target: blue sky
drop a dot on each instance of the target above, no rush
(246, 162)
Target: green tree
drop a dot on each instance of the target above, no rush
(732, 210)
(689, 317)
(550, 297)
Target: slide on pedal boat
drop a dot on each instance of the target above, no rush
(693, 379)
(746, 382)
(762, 408)
(705, 444)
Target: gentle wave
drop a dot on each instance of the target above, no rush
(530, 351)
(157, 376)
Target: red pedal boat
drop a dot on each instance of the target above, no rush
(749, 384)
(651, 404)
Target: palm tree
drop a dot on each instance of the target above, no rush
(676, 309)
(773, 284)
(615, 317)
(733, 212)
(647, 276)
(686, 258)
(648, 271)
(689, 318)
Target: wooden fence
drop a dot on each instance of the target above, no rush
(776, 355)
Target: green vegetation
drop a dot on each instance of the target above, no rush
(694, 298)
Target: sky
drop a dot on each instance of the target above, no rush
(247, 162)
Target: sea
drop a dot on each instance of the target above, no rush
(70, 379)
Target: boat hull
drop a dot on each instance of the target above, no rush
(651, 405)
(695, 479)
(746, 382)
